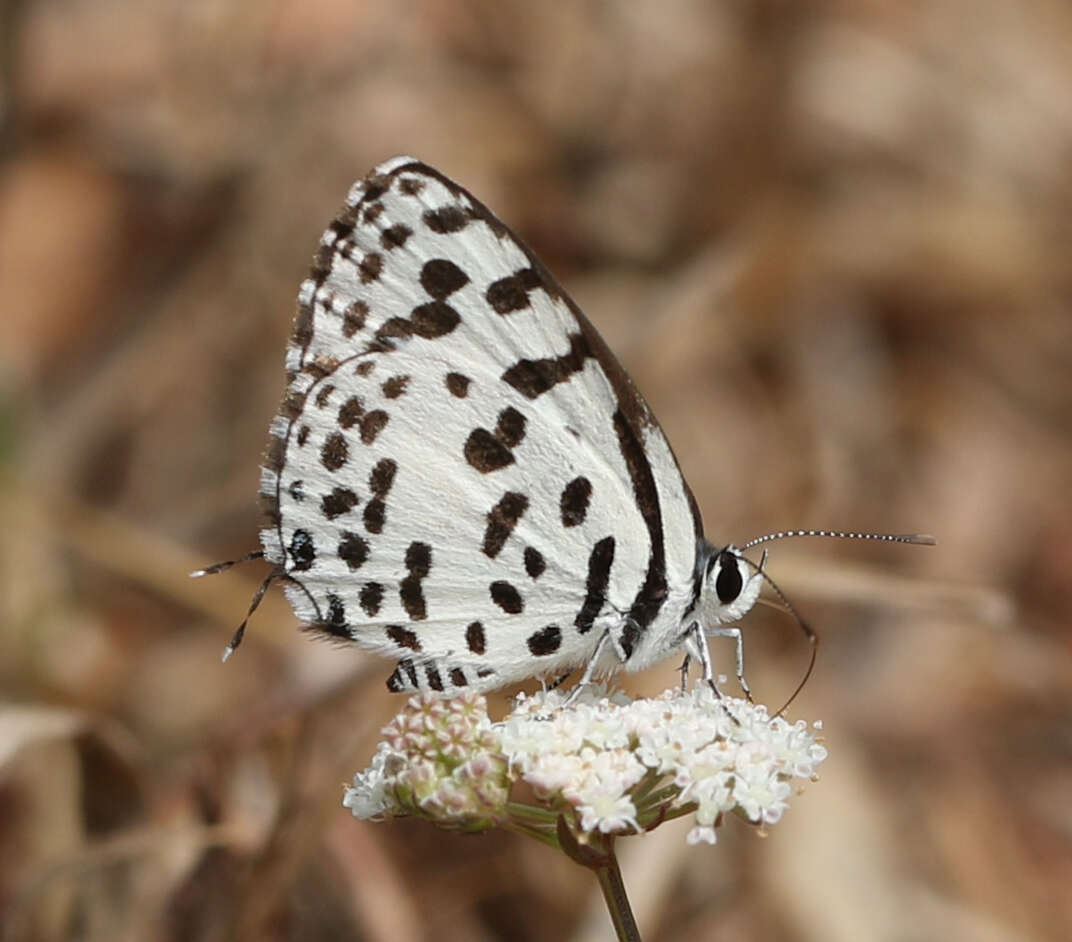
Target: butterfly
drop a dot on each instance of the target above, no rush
(463, 478)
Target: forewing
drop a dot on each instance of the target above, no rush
(462, 477)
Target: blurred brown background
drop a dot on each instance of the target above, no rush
(832, 243)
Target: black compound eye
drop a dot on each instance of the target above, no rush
(728, 582)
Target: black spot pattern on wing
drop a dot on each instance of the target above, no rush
(491, 451)
(370, 268)
(381, 478)
(441, 277)
(403, 637)
(485, 452)
(324, 394)
(322, 365)
(375, 515)
(303, 323)
(341, 500)
(435, 681)
(532, 378)
(353, 550)
(458, 385)
(353, 319)
(370, 598)
(506, 597)
(535, 564)
(302, 551)
(410, 593)
(375, 187)
(474, 638)
(446, 219)
(372, 424)
(335, 623)
(652, 594)
(512, 292)
(501, 520)
(335, 452)
(510, 429)
(430, 321)
(394, 237)
(599, 562)
(573, 505)
(545, 641)
(394, 387)
(350, 412)
(404, 677)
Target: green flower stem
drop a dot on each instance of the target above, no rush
(538, 816)
(652, 799)
(680, 812)
(643, 790)
(550, 838)
(610, 882)
(597, 854)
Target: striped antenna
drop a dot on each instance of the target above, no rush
(921, 539)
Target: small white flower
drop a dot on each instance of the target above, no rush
(521, 736)
(616, 766)
(606, 726)
(605, 809)
(663, 747)
(760, 793)
(701, 834)
(798, 752)
(551, 772)
(367, 797)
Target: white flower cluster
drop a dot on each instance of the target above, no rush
(439, 759)
(614, 765)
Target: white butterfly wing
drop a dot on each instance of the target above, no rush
(462, 476)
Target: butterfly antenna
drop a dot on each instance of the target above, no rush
(809, 632)
(921, 539)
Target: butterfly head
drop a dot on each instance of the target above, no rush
(730, 585)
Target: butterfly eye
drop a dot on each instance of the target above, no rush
(728, 582)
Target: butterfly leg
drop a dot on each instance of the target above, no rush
(220, 567)
(590, 668)
(734, 633)
(240, 632)
(559, 681)
(684, 671)
(696, 647)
